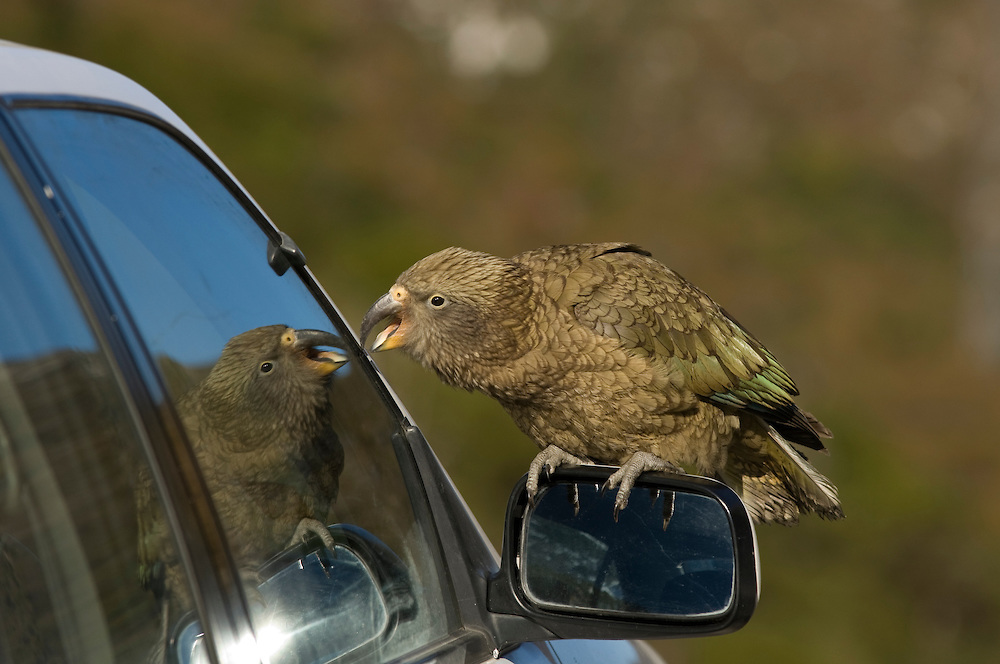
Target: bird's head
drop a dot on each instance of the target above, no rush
(455, 311)
(272, 370)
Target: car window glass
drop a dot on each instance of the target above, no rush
(190, 263)
(69, 589)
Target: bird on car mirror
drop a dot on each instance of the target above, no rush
(602, 354)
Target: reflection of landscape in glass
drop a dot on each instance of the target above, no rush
(158, 217)
(189, 264)
(570, 560)
(636, 565)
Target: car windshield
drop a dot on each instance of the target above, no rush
(190, 262)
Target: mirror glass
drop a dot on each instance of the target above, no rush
(314, 609)
(670, 553)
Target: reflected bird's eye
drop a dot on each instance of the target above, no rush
(266, 367)
(437, 301)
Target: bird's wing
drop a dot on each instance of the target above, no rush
(623, 293)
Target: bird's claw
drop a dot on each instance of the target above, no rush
(624, 478)
(573, 496)
(307, 527)
(548, 460)
(668, 508)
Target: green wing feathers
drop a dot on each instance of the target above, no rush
(623, 293)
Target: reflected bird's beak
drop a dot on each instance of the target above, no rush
(326, 361)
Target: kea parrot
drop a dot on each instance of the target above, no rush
(602, 354)
(260, 426)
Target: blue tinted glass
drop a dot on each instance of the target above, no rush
(173, 237)
(68, 590)
(38, 311)
(191, 265)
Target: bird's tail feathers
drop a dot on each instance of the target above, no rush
(816, 488)
(821, 429)
(779, 484)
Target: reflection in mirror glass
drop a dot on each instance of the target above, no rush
(669, 553)
(314, 609)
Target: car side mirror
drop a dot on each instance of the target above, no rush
(679, 560)
(317, 605)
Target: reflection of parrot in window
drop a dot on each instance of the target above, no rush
(260, 425)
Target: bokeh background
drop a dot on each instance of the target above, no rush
(829, 172)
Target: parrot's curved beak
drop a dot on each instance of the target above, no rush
(389, 306)
(326, 361)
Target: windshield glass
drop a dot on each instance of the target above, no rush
(289, 432)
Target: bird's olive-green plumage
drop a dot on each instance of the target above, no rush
(605, 352)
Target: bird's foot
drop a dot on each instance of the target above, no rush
(624, 478)
(548, 460)
(309, 527)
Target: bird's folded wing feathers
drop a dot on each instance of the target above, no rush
(622, 293)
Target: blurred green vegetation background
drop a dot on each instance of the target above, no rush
(827, 171)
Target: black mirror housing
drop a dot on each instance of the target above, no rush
(680, 560)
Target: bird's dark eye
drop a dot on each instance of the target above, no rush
(266, 367)
(437, 301)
